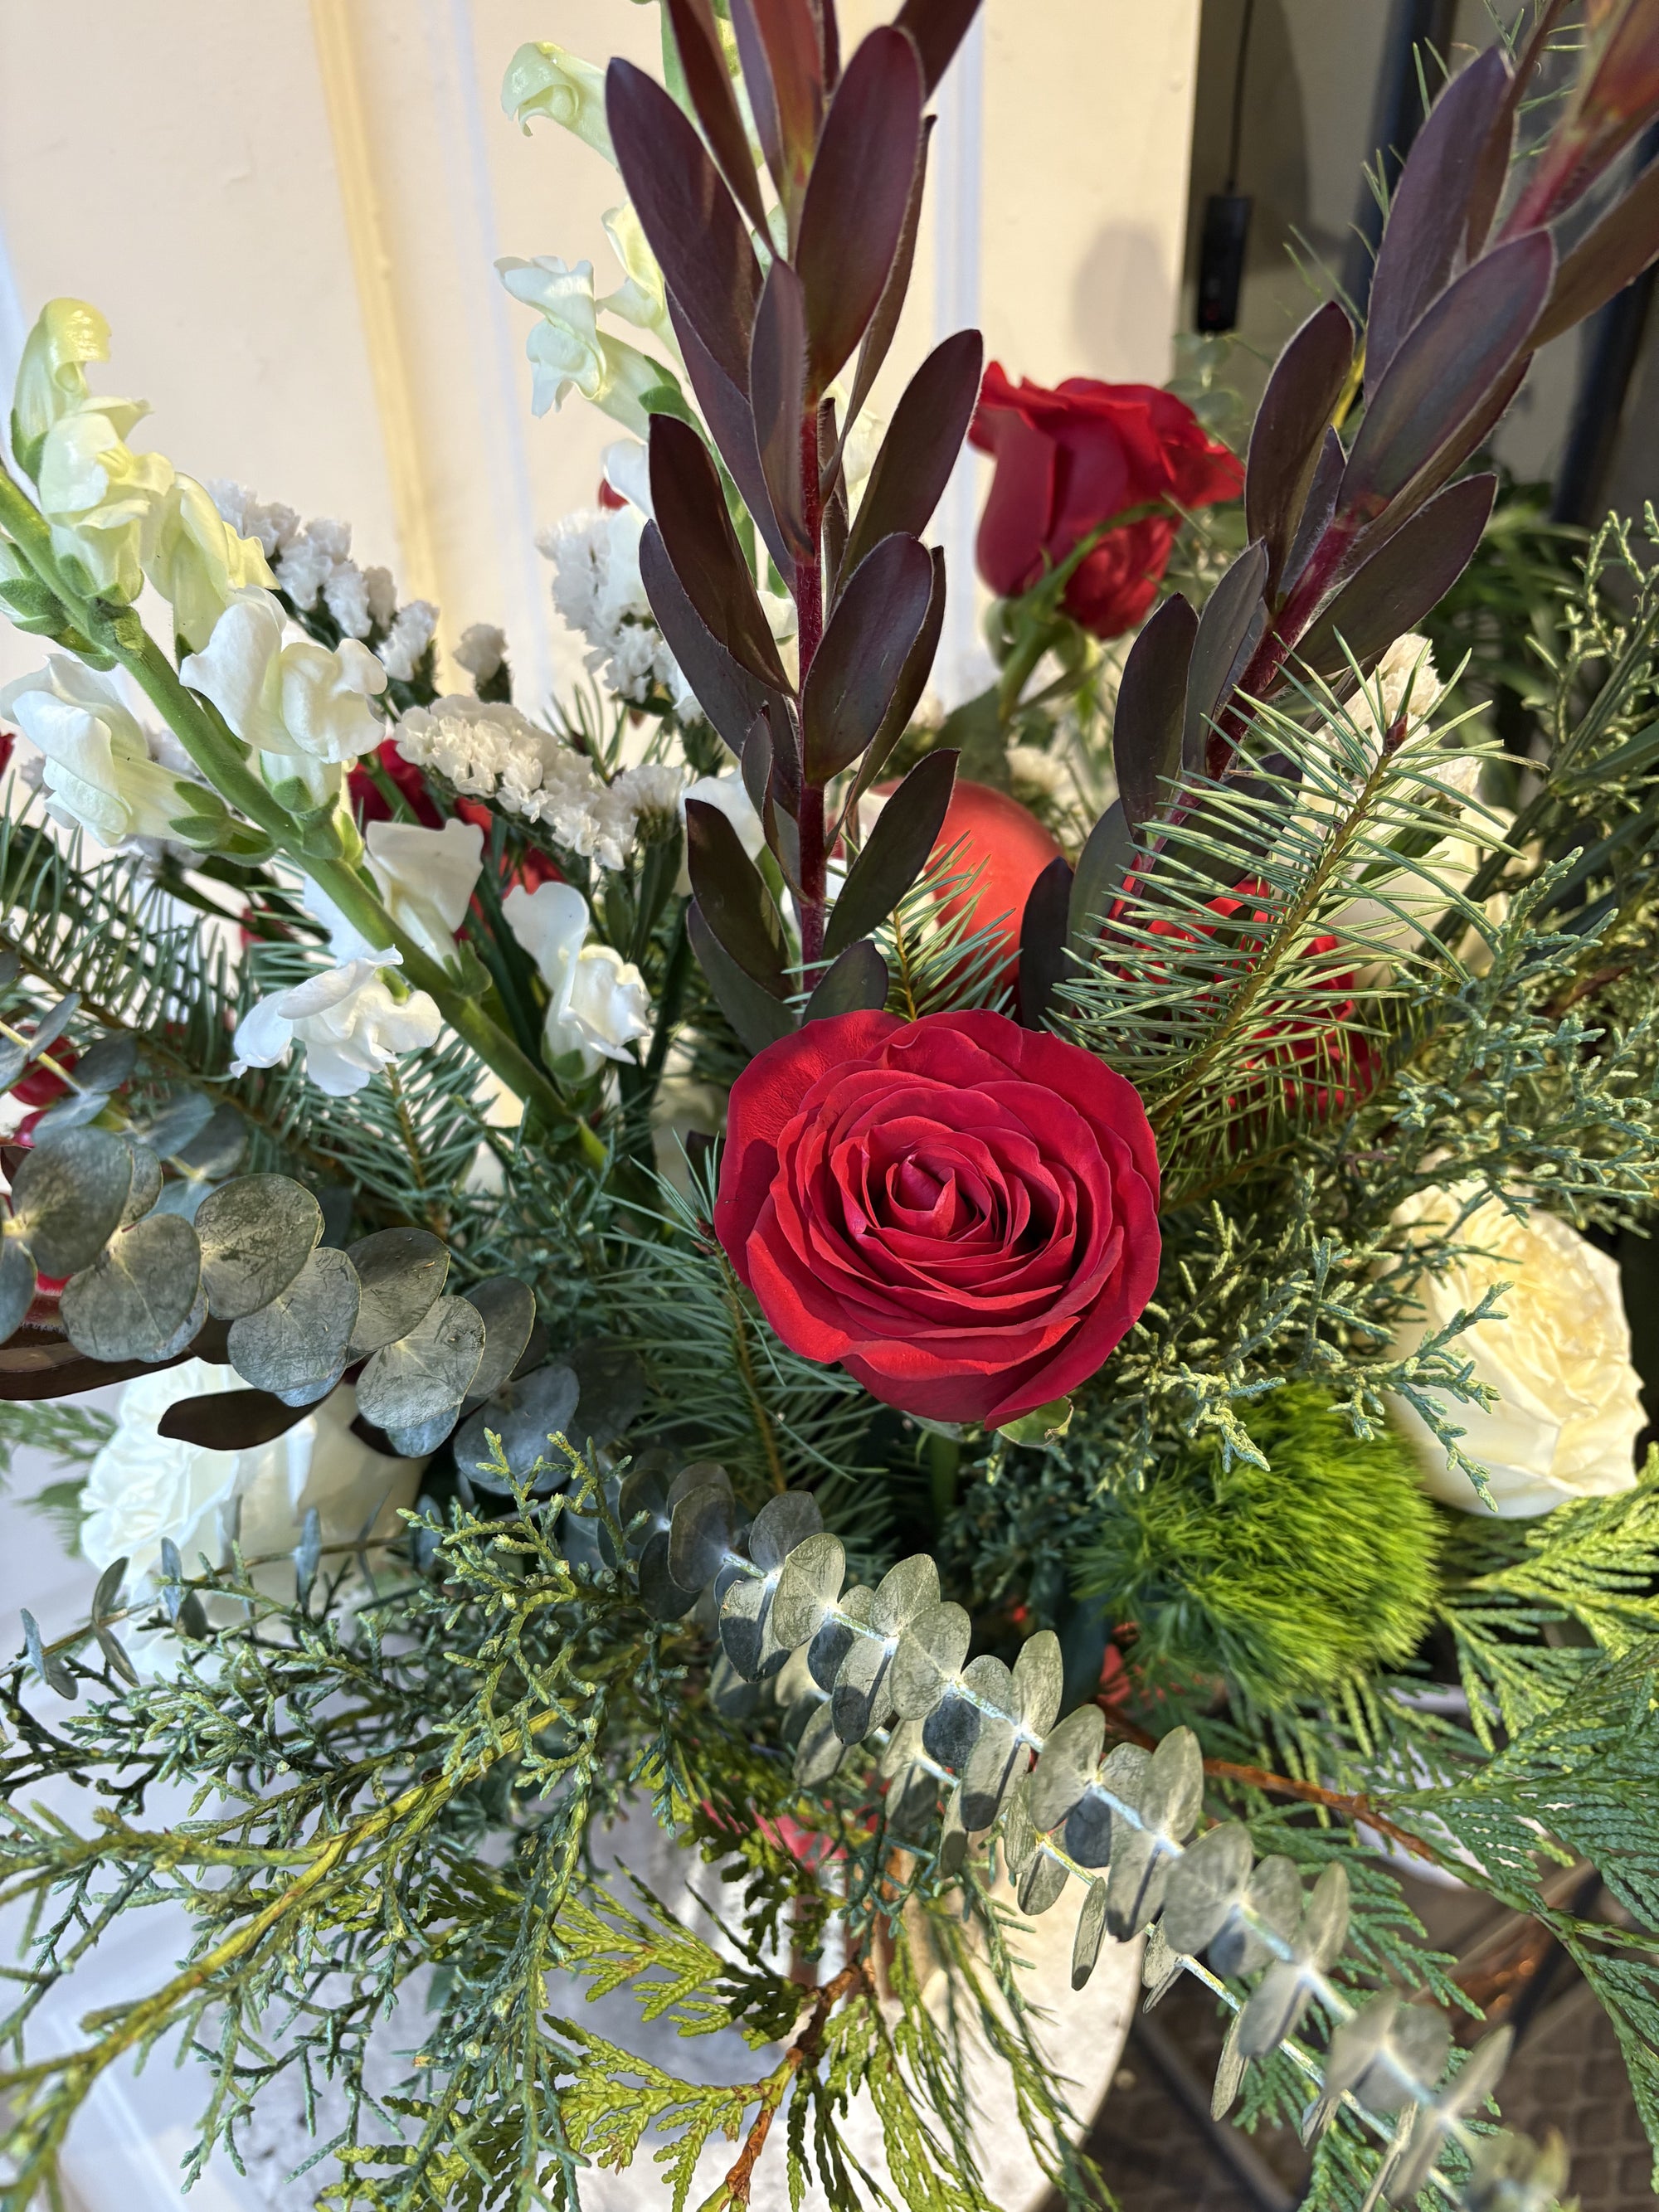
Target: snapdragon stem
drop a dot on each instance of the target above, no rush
(223, 760)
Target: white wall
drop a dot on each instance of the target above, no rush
(180, 163)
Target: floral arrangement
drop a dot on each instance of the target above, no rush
(636, 1235)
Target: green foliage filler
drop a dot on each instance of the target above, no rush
(1289, 1575)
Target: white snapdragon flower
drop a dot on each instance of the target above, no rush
(51, 375)
(567, 348)
(598, 1003)
(482, 651)
(426, 880)
(144, 1487)
(642, 296)
(544, 80)
(410, 633)
(305, 709)
(198, 561)
(1558, 1354)
(99, 770)
(348, 1020)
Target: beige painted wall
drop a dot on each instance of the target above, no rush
(176, 161)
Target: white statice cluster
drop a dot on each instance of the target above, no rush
(313, 560)
(598, 590)
(489, 751)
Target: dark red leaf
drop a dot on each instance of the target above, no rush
(782, 56)
(230, 1420)
(777, 386)
(1101, 866)
(1290, 429)
(1152, 703)
(828, 40)
(894, 852)
(1444, 465)
(1043, 934)
(731, 422)
(703, 57)
(702, 546)
(690, 219)
(1610, 255)
(938, 27)
(729, 696)
(38, 1362)
(852, 218)
(758, 1018)
(1233, 619)
(913, 682)
(1446, 370)
(1316, 512)
(855, 983)
(883, 324)
(1400, 582)
(1428, 215)
(732, 895)
(920, 448)
(1499, 149)
(756, 763)
(857, 670)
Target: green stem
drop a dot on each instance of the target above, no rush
(944, 1465)
(223, 760)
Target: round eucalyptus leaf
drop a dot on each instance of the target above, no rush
(612, 1383)
(795, 1685)
(660, 1595)
(313, 1392)
(217, 1149)
(1040, 1678)
(508, 1308)
(73, 1111)
(146, 1182)
(14, 1059)
(929, 1658)
(426, 1372)
(1160, 1968)
(1207, 1885)
(258, 1235)
(137, 1297)
(903, 1592)
(1090, 1927)
(952, 1839)
(729, 1693)
(1067, 1766)
(700, 1535)
(644, 1492)
(834, 1640)
(1357, 2045)
(783, 1522)
(809, 1584)
(401, 1274)
(744, 1609)
(17, 1285)
(1088, 1830)
(862, 1699)
(302, 1332)
(68, 1196)
(989, 1771)
(912, 1802)
(698, 1476)
(1434, 2123)
(988, 1682)
(188, 1329)
(903, 1748)
(422, 1440)
(182, 1119)
(950, 1732)
(107, 1064)
(1418, 2042)
(1172, 1794)
(1019, 1838)
(1273, 1895)
(526, 1416)
(819, 1751)
(1041, 1885)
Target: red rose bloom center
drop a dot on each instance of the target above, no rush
(962, 1212)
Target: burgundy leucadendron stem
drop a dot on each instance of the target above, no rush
(809, 604)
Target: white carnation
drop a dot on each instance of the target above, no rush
(482, 650)
(598, 590)
(382, 596)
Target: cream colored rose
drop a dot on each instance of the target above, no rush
(1570, 1408)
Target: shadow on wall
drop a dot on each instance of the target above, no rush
(1123, 268)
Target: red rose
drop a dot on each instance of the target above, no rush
(371, 802)
(962, 1212)
(1069, 460)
